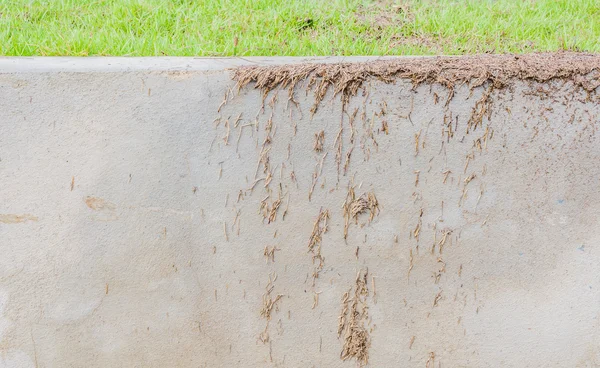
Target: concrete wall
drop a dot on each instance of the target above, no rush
(136, 207)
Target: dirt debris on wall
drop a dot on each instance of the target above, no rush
(487, 77)
(315, 241)
(353, 321)
(499, 70)
(353, 207)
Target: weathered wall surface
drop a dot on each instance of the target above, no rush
(150, 216)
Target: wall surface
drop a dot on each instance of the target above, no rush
(152, 216)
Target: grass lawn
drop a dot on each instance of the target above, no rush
(296, 27)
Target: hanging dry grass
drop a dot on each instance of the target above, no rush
(353, 207)
(319, 141)
(269, 303)
(352, 322)
(316, 238)
(346, 79)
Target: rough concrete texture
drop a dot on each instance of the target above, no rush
(151, 216)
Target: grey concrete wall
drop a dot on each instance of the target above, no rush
(135, 208)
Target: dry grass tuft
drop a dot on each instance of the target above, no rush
(319, 141)
(353, 207)
(314, 243)
(353, 321)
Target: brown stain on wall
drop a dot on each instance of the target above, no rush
(98, 204)
(15, 219)
(106, 211)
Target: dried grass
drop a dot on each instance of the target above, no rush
(430, 363)
(316, 238)
(269, 304)
(319, 141)
(353, 321)
(353, 207)
(269, 253)
(268, 209)
(499, 71)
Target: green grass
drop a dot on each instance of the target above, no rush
(295, 27)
